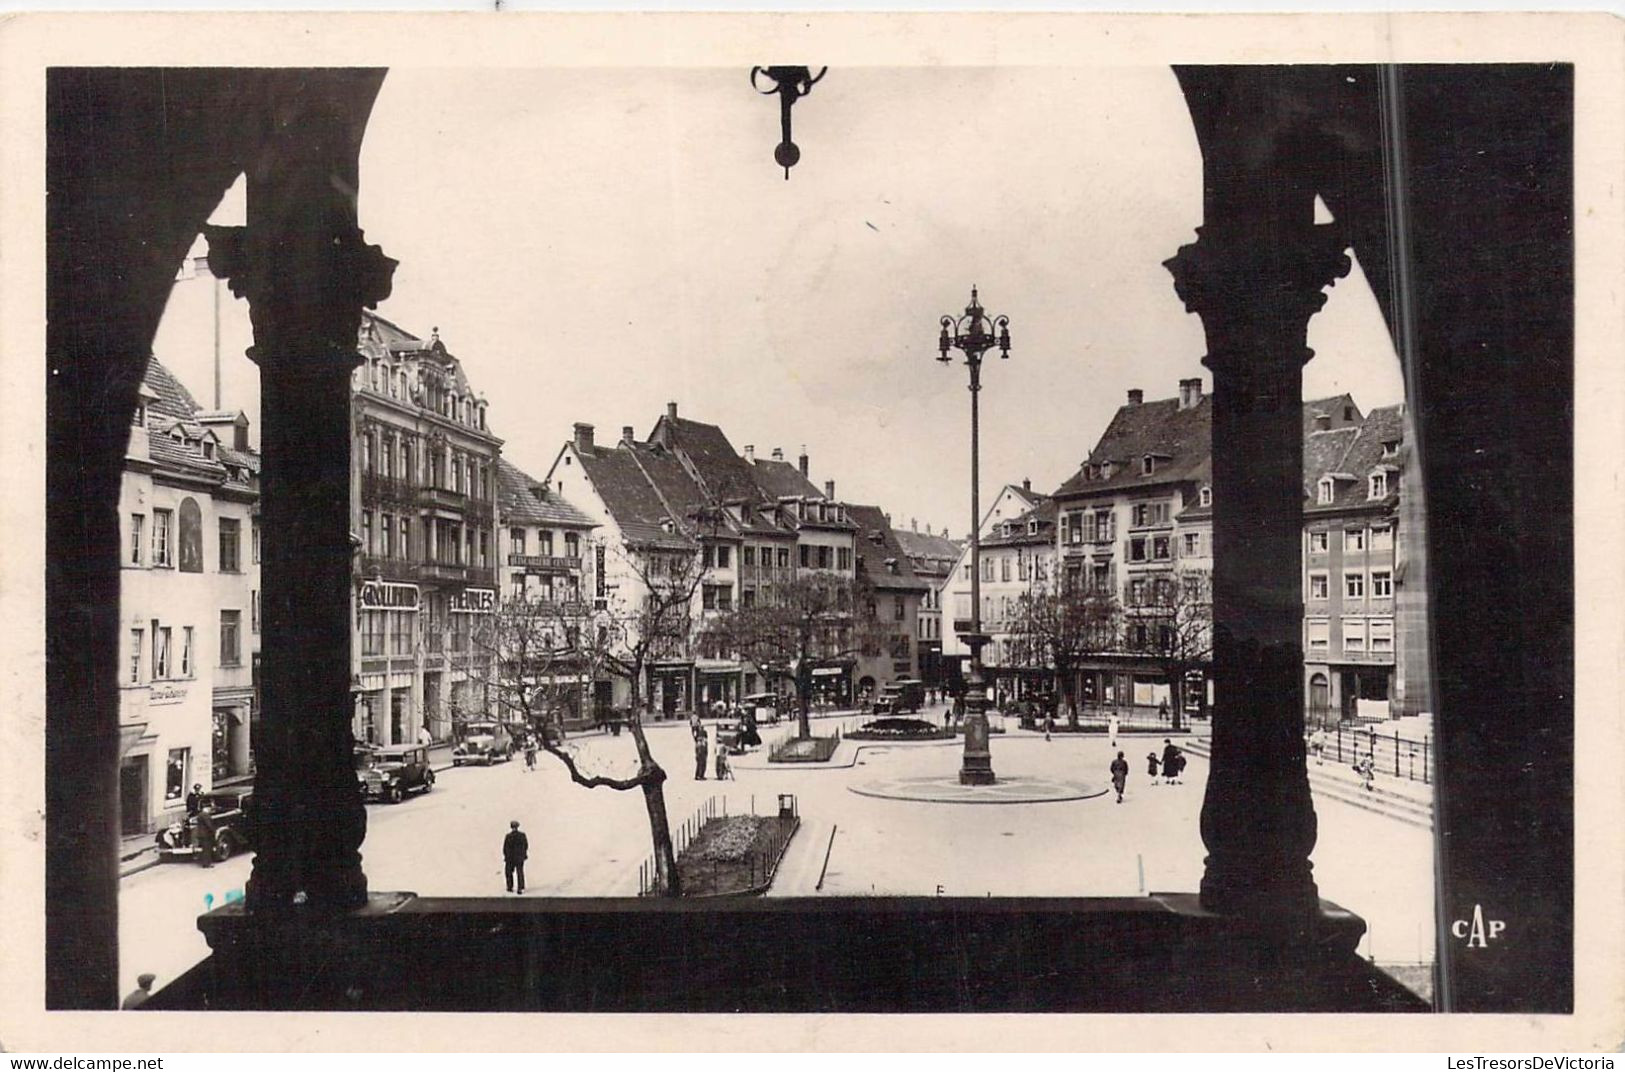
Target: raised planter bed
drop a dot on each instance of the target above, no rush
(735, 855)
(804, 750)
(900, 729)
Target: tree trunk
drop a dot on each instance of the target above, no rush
(654, 801)
(803, 696)
(1069, 689)
(1176, 696)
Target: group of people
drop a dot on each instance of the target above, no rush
(702, 747)
(200, 818)
(1167, 766)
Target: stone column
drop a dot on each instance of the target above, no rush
(1256, 278)
(307, 273)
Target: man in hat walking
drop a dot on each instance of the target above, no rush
(515, 847)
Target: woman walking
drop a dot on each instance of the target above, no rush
(1119, 775)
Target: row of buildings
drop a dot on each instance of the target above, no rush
(1135, 523)
(448, 532)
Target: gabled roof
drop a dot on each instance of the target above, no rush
(925, 545)
(1362, 454)
(721, 473)
(522, 499)
(876, 543)
(781, 480)
(1044, 513)
(1180, 439)
(1333, 407)
(174, 400)
(631, 499)
(1323, 453)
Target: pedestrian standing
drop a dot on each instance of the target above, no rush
(1151, 767)
(1317, 746)
(194, 799)
(700, 751)
(515, 848)
(205, 836)
(1111, 728)
(143, 990)
(530, 754)
(1162, 711)
(1119, 775)
(724, 771)
(1049, 726)
(1171, 763)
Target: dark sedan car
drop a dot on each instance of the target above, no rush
(230, 811)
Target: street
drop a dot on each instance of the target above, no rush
(591, 842)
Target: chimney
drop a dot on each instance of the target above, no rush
(671, 410)
(803, 459)
(829, 490)
(1190, 392)
(914, 524)
(626, 434)
(888, 519)
(583, 436)
(1026, 484)
(750, 453)
(1135, 396)
(778, 454)
(1323, 421)
(239, 440)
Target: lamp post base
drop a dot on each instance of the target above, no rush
(976, 766)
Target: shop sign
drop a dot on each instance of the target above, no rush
(473, 601)
(384, 595)
(162, 695)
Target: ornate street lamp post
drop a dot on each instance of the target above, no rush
(974, 334)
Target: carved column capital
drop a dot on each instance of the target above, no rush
(1236, 278)
(305, 290)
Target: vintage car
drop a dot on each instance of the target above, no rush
(178, 841)
(391, 773)
(484, 743)
(764, 706)
(904, 694)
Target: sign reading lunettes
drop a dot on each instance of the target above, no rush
(383, 595)
(473, 601)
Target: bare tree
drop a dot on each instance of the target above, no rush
(1060, 624)
(1173, 622)
(528, 641)
(817, 617)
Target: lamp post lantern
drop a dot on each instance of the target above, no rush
(973, 335)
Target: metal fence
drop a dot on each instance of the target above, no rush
(1402, 757)
(760, 862)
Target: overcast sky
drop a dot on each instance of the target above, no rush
(595, 243)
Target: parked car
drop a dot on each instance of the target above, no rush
(763, 705)
(391, 773)
(485, 743)
(904, 694)
(178, 841)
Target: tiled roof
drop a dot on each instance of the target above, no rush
(781, 480)
(1323, 453)
(1333, 407)
(630, 498)
(1044, 513)
(722, 474)
(876, 543)
(174, 400)
(1180, 439)
(395, 338)
(1362, 453)
(518, 501)
(925, 545)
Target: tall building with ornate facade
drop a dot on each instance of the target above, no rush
(425, 528)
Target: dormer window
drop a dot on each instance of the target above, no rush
(1105, 470)
(1324, 491)
(1006, 529)
(1379, 485)
(1032, 527)
(1204, 497)
(1148, 465)
(1390, 448)
(208, 448)
(139, 417)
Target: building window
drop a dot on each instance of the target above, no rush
(806, 557)
(366, 452)
(1354, 585)
(1382, 539)
(176, 774)
(230, 545)
(1319, 586)
(254, 610)
(1319, 542)
(1382, 634)
(406, 538)
(1318, 632)
(372, 632)
(826, 557)
(1136, 549)
(1324, 491)
(1148, 465)
(1353, 634)
(1136, 592)
(254, 539)
(186, 651)
(138, 639)
(1382, 584)
(544, 540)
(162, 553)
(1354, 539)
(898, 612)
(138, 537)
(1161, 550)
(1204, 497)
(1004, 567)
(231, 622)
(1193, 544)
(366, 531)
(160, 651)
(516, 541)
(747, 556)
(572, 545)
(844, 557)
(485, 549)
(987, 569)
(725, 557)
(1074, 528)
(1032, 527)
